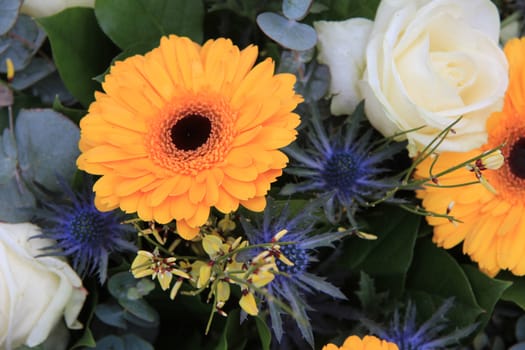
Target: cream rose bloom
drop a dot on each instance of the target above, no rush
(44, 8)
(36, 293)
(428, 62)
(342, 46)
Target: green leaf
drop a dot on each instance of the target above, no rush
(264, 333)
(86, 340)
(516, 292)
(434, 276)
(81, 51)
(232, 336)
(128, 23)
(344, 9)
(487, 290)
(72, 113)
(388, 258)
(290, 34)
(9, 14)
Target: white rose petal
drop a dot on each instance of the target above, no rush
(37, 293)
(44, 8)
(428, 63)
(342, 48)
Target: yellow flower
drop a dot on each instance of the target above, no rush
(185, 128)
(492, 221)
(367, 343)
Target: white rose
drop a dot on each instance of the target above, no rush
(341, 46)
(44, 8)
(430, 62)
(35, 292)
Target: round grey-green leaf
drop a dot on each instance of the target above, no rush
(296, 9)
(24, 40)
(9, 14)
(290, 34)
(47, 145)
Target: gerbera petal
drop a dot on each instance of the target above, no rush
(200, 216)
(165, 132)
(238, 189)
(163, 190)
(255, 204)
(126, 187)
(186, 231)
(226, 203)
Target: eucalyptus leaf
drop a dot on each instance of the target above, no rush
(22, 41)
(146, 21)
(519, 346)
(38, 69)
(290, 34)
(9, 14)
(81, 51)
(6, 96)
(47, 145)
(296, 9)
(111, 314)
(110, 342)
(8, 157)
(16, 201)
(51, 88)
(133, 342)
(140, 309)
(120, 283)
(520, 329)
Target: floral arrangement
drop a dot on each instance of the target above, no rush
(221, 174)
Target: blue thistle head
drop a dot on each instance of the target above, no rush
(430, 335)
(345, 163)
(83, 233)
(293, 283)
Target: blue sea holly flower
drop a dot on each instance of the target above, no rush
(347, 163)
(430, 335)
(294, 281)
(83, 233)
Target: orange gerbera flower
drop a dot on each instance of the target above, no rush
(492, 224)
(185, 128)
(367, 343)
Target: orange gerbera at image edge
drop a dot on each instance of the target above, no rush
(185, 128)
(367, 343)
(491, 224)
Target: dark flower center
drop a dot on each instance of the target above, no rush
(340, 171)
(191, 132)
(516, 158)
(86, 227)
(296, 255)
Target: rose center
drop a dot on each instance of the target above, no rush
(516, 158)
(190, 132)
